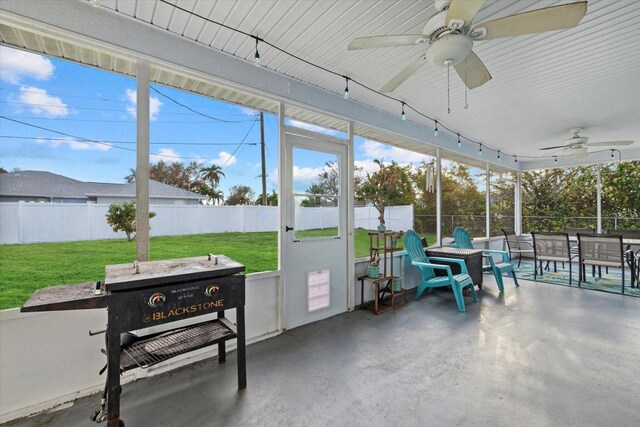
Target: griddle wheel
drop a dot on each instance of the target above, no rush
(99, 416)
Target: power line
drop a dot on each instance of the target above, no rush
(132, 121)
(134, 142)
(105, 109)
(192, 110)
(240, 145)
(107, 144)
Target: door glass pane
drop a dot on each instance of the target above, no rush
(316, 190)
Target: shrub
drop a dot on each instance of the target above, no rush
(122, 217)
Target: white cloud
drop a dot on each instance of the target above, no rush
(74, 144)
(376, 150)
(154, 104)
(312, 128)
(17, 64)
(42, 104)
(167, 155)
(224, 158)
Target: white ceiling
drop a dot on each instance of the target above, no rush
(542, 85)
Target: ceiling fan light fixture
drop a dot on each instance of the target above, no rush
(450, 49)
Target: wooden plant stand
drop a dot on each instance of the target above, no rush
(385, 298)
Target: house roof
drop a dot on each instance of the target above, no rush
(47, 184)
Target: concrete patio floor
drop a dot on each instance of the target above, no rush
(540, 355)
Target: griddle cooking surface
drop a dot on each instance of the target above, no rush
(122, 277)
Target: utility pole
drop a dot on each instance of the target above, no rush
(264, 166)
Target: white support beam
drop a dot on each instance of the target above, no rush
(142, 162)
(599, 196)
(487, 202)
(281, 235)
(351, 267)
(517, 207)
(438, 198)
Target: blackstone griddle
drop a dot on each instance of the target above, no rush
(147, 294)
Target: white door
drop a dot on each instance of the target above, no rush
(314, 237)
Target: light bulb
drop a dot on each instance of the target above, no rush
(435, 132)
(403, 116)
(459, 143)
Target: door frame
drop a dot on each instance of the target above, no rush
(283, 129)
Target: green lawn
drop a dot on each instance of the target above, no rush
(25, 268)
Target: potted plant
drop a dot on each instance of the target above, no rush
(373, 268)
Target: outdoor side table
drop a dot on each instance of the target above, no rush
(472, 258)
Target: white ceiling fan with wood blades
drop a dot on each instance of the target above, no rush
(577, 145)
(450, 33)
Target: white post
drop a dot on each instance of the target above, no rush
(599, 196)
(517, 214)
(142, 162)
(351, 266)
(488, 202)
(281, 198)
(438, 197)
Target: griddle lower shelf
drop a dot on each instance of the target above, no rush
(150, 351)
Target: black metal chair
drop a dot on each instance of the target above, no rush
(573, 236)
(515, 245)
(602, 250)
(634, 259)
(551, 247)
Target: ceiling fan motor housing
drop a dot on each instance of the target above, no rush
(450, 49)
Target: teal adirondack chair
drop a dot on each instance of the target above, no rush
(463, 241)
(458, 282)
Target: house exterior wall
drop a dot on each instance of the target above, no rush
(152, 200)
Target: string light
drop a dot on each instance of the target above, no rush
(346, 89)
(257, 55)
(498, 154)
(480, 150)
(612, 156)
(95, 3)
(279, 49)
(515, 159)
(555, 159)
(435, 132)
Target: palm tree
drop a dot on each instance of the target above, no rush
(217, 196)
(212, 174)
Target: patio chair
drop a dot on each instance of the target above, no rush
(603, 251)
(463, 241)
(634, 259)
(515, 245)
(551, 247)
(429, 280)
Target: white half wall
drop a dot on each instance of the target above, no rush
(48, 358)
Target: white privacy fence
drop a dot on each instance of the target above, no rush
(22, 222)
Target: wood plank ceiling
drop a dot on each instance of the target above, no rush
(542, 85)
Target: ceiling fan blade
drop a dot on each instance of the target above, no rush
(535, 21)
(607, 143)
(403, 75)
(554, 148)
(463, 10)
(472, 71)
(386, 41)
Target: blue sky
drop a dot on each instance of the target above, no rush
(80, 103)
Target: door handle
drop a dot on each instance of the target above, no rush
(287, 228)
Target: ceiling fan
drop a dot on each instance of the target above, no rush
(449, 36)
(578, 144)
